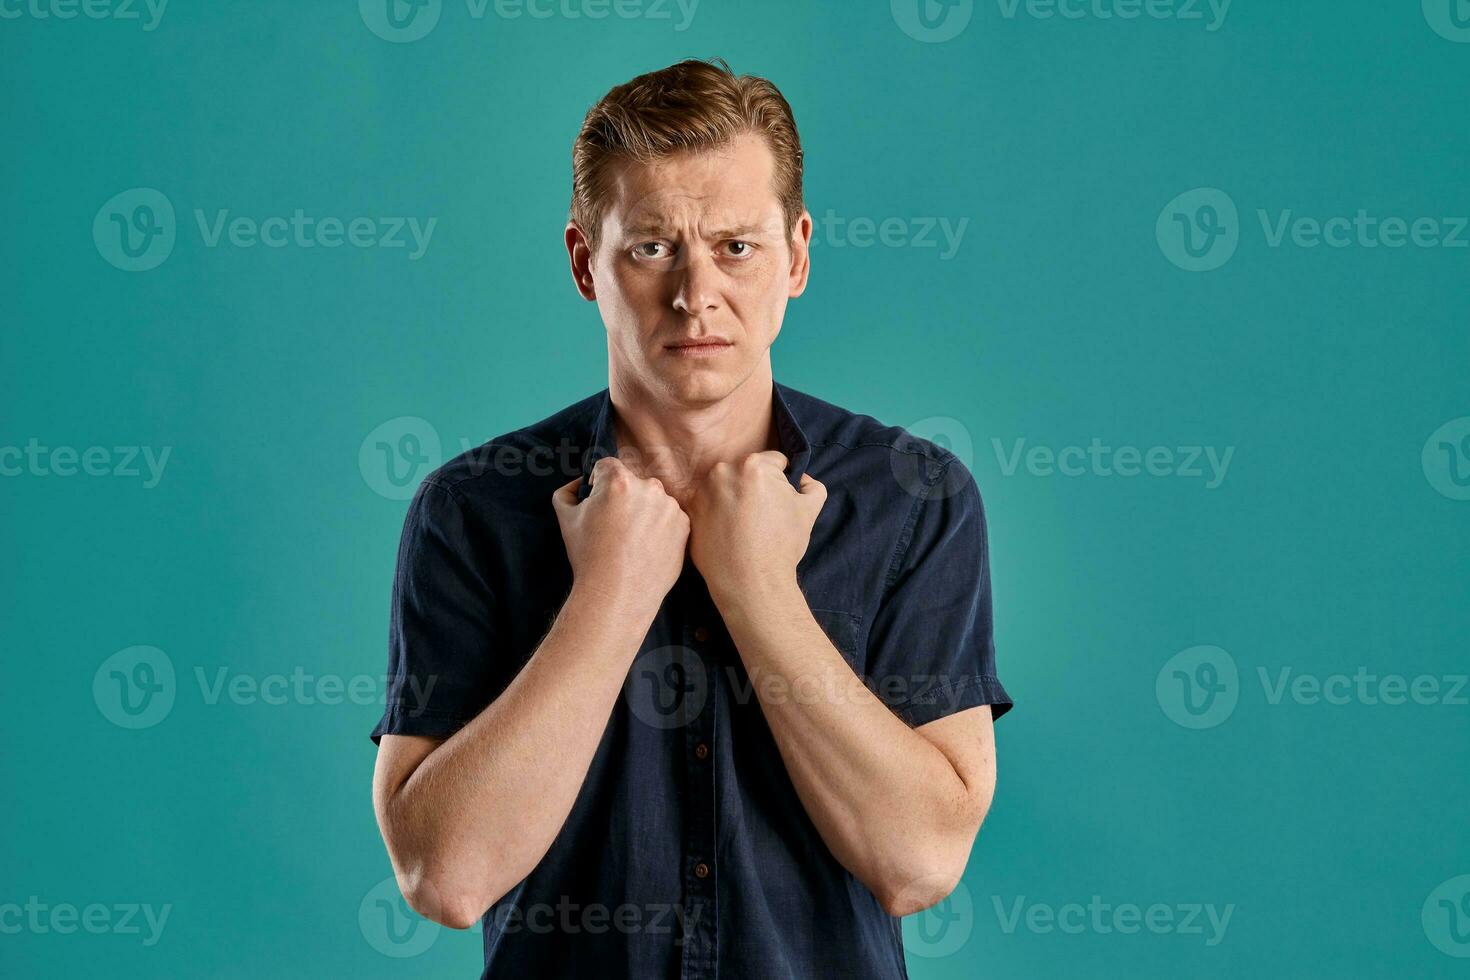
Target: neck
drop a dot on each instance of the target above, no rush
(679, 443)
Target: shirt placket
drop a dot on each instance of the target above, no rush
(701, 873)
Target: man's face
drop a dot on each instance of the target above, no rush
(693, 270)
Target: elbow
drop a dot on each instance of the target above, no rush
(445, 885)
(910, 897)
(444, 901)
(928, 876)
(457, 915)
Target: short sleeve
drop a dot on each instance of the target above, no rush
(440, 623)
(931, 649)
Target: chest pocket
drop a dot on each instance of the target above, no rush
(844, 630)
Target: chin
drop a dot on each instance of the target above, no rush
(697, 387)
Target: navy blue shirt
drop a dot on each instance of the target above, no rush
(687, 853)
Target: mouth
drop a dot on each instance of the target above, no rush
(699, 347)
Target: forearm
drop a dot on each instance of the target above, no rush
(886, 800)
(481, 810)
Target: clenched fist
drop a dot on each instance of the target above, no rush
(748, 526)
(626, 540)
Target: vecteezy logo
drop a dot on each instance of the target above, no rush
(911, 461)
(400, 21)
(667, 687)
(942, 929)
(1446, 917)
(1198, 687)
(134, 688)
(1449, 18)
(1446, 459)
(390, 926)
(397, 455)
(1199, 230)
(932, 21)
(135, 229)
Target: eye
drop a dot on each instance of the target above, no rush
(651, 250)
(739, 249)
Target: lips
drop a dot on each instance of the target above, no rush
(699, 343)
(698, 348)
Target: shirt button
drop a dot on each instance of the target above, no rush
(701, 634)
(701, 870)
(701, 751)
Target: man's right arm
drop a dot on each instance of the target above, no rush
(467, 817)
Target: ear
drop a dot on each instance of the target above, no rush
(801, 263)
(579, 252)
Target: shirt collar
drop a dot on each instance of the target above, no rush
(791, 439)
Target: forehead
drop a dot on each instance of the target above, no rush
(731, 183)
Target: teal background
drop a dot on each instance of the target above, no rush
(264, 547)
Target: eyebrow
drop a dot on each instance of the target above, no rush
(657, 230)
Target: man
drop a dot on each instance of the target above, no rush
(626, 725)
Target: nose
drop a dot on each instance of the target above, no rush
(698, 285)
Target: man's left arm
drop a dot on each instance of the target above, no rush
(898, 806)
